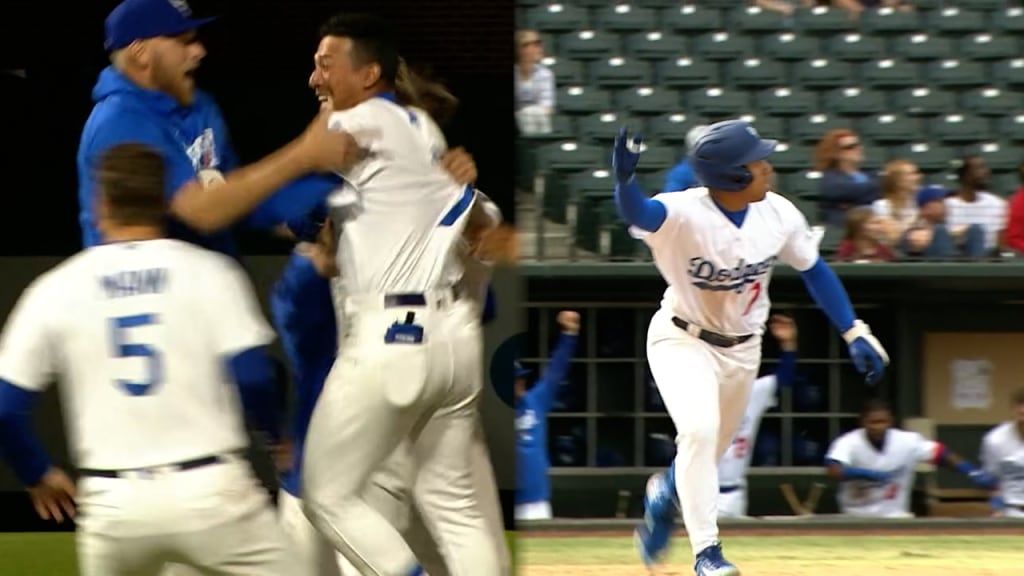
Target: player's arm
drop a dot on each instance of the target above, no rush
(546, 388)
(938, 454)
(990, 464)
(631, 202)
(801, 252)
(839, 463)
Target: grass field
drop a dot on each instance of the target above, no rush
(830, 555)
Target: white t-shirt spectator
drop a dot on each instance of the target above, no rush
(987, 211)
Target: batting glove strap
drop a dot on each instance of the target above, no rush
(997, 503)
(860, 329)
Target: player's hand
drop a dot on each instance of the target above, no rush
(783, 328)
(983, 479)
(569, 320)
(626, 155)
(322, 149)
(282, 455)
(54, 496)
(460, 165)
(868, 355)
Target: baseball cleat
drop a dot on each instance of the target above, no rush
(653, 536)
(710, 562)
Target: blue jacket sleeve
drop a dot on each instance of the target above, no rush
(680, 178)
(18, 443)
(840, 188)
(636, 208)
(295, 201)
(254, 374)
(546, 389)
(829, 294)
(786, 370)
(490, 310)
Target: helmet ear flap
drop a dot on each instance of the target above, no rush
(718, 177)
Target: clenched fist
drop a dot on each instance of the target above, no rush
(569, 321)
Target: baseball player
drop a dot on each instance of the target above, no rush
(1002, 456)
(732, 468)
(716, 247)
(140, 347)
(533, 487)
(411, 360)
(876, 462)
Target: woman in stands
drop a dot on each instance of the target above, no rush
(897, 208)
(844, 185)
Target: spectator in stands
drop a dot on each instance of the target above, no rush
(863, 241)
(897, 208)
(838, 155)
(787, 7)
(535, 85)
(681, 176)
(932, 237)
(1015, 218)
(856, 7)
(973, 204)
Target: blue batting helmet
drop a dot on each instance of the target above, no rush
(721, 154)
(521, 372)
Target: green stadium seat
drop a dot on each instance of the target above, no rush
(1009, 73)
(957, 74)
(987, 46)
(723, 46)
(1009, 20)
(757, 20)
(719, 3)
(855, 47)
(566, 71)
(672, 127)
(890, 128)
(755, 73)
(767, 126)
(855, 101)
(615, 241)
(886, 21)
(786, 101)
(1004, 184)
(619, 72)
(657, 157)
(562, 128)
(927, 156)
(831, 240)
(791, 156)
(982, 5)
(588, 45)
(1001, 156)
(810, 129)
(785, 184)
(717, 102)
(990, 101)
(582, 100)
(924, 101)
(822, 74)
(1012, 128)
(918, 47)
(587, 192)
(891, 73)
(602, 127)
(557, 17)
(953, 20)
(626, 18)
(571, 155)
(787, 46)
(686, 73)
(875, 157)
(824, 20)
(692, 19)
(656, 3)
(649, 100)
(656, 46)
(959, 128)
(805, 185)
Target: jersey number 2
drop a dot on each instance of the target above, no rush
(123, 349)
(755, 292)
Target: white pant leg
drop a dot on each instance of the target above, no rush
(313, 554)
(490, 500)
(733, 504)
(1013, 513)
(534, 511)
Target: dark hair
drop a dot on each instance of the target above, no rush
(373, 41)
(961, 170)
(131, 178)
(872, 405)
(1018, 397)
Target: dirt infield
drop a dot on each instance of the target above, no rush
(795, 531)
(756, 568)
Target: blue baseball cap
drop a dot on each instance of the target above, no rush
(930, 194)
(135, 20)
(520, 371)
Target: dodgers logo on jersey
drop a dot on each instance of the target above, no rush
(203, 151)
(525, 424)
(707, 276)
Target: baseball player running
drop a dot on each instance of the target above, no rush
(140, 347)
(716, 247)
(876, 462)
(1002, 456)
(411, 360)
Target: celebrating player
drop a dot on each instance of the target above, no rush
(140, 346)
(876, 462)
(411, 360)
(1002, 456)
(716, 247)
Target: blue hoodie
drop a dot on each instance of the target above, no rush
(190, 138)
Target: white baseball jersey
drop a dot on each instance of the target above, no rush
(138, 334)
(732, 468)
(901, 452)
(1002, 455)
(718, 273)
(403, 214)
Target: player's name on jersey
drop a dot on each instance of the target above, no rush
(712, 277)
(134, 282)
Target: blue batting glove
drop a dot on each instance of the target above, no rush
(983, 479)
(868, 355)
(881, 476)
(625, 155)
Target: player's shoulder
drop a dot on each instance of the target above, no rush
(998, 433)
(851, 437)
(689, 200)
(906, 436)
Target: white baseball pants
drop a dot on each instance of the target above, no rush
(378, 395)
(733, 504)
(705, 389)
(213, 520)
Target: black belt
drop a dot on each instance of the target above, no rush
(713, 338)
(728, 489)
(412, 299)
(176, 467)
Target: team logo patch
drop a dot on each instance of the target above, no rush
(706, 276)
(182, 7)
(203, 151)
